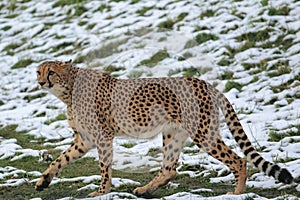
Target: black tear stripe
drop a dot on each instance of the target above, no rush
(48, 79)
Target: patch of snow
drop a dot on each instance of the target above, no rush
(8, 148)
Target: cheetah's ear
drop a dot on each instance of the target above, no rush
(69, 62)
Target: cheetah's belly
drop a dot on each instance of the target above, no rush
(142, 132)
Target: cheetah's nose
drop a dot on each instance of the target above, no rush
(42, 83)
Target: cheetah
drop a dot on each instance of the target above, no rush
(100, 107)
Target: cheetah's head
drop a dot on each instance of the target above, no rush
(54, 75)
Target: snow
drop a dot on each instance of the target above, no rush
(8, 148)
(37, 39)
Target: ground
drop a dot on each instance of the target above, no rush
(247, 49)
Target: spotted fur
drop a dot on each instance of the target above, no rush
(100, 107)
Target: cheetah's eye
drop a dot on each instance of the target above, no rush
(50, 73)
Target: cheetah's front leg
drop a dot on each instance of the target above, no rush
(105, 153)
(173, 141)
(76, 150)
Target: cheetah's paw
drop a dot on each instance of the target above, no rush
(43, 182)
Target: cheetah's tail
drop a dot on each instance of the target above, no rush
(270, 169)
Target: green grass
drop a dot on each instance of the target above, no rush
(264, 2)
(280, 88)
(61, 3)
(11, 16)
(143, 10)
(233, 51)
(23, 138)
(79, 10)
(256, 36)
(12, 5)
(135, 74)
(254, 79)
(172, 72)
(6, 28)
(82, 23)
(42, 114)
(280, 68)
(207, 13)
(275, 136)
(169, 23)
(154, 152)
(232, 84)
(111, 68)
(155, 59)
(104, 7)
(281, 42)
(283, 10)
(57, 118)
(103, 52)
(10, 48)
(227, 75)
(90, 26)
(190, 44)
(224, 62)
(186, 183)
(29, 98)
(195, 71)
(194, 168)
(128, 145)
(204, 37)
(88, 166)
(22, 63)
(190, 72)
(272, 100)
(181, 16)
(258, 67)
(134, 1)
(61, 46)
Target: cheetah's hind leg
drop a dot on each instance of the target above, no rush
(213, 144)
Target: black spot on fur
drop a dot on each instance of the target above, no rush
(242, 144)
(241, 131)
(249, 150)
(80, 151)
(254, 155)
(67, 158)
(265, 166)
(273, 170)
(285, 176)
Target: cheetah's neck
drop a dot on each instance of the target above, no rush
(64, 93)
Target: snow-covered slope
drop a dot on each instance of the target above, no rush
(248, 49)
